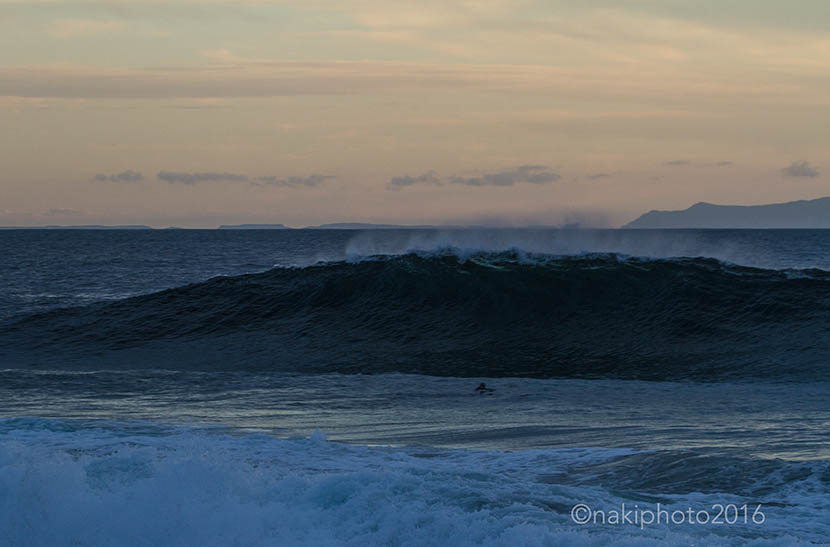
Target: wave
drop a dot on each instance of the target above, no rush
(459, 314)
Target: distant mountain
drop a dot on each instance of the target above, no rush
(254, 227)
(813, 213)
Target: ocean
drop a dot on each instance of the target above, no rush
(316, 387)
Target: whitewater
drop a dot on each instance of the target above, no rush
(316, 387)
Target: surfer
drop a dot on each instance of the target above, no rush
(482, 389)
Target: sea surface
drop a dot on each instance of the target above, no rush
(316, 387)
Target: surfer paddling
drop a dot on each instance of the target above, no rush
(482, 389)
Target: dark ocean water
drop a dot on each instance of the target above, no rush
(315, 387)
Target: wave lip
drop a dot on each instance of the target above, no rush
(459, 314)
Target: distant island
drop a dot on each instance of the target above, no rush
(814, 213)
(254, 227)
(335, 226)
(80, 227)
(369, 226)
(332, 226)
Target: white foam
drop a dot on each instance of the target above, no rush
(150, 484)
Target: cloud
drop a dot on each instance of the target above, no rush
(71, 28)
(613, 51)
(430, 177)
(64, 212)
(272, 78)
(259, 79)
(125, 176)
(532, 174)
(193, 178)
(604, 175)
(311, 180)
(688, 163)
(800, 169)
(286, 182)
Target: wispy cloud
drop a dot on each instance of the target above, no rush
(64, 213)
(125, 176)
(698, 164)
(265, 78)
(534, 174)
(311, 180)
(193, 178)
(531, 174)
(800, 169)
(72, 28)
(430, 177)
(190, 179)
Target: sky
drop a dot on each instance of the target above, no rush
(196, 113)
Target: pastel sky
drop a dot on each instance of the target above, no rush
(201, 112)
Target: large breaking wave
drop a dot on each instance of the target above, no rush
(457, 314)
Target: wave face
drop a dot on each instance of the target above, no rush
(450, 314)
